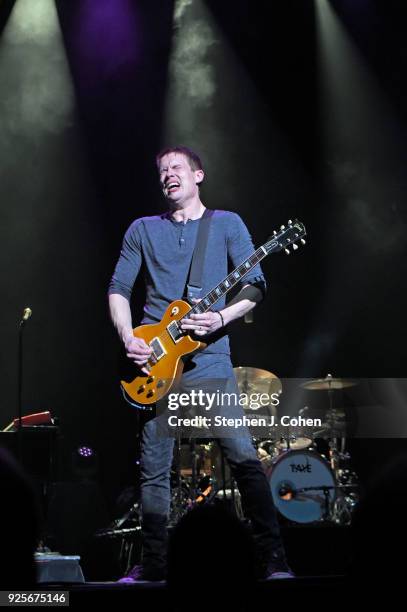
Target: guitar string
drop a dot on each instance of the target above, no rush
(242, 266)
(259, 254)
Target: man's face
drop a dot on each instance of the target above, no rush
(178, 181)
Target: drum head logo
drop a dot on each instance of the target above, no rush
(301, 467)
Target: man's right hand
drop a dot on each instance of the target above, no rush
(138, 351)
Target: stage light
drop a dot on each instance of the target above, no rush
(212, 105)
(85, 463)
(34, 21)
(85, 451)
(357, 126)
(192, 79)
(361, 172)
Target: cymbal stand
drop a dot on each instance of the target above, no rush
(334, 454)
(345, 479)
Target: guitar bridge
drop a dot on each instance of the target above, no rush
(175, 332)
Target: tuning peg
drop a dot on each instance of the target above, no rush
(302, 241)
(295, 247)
(282, 227)
(287, 251)
(274, 233)
(290, 222)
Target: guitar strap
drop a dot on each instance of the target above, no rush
(194, 284)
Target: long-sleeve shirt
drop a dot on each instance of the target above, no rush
(166, 247)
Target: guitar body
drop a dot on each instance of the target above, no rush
(148, 389)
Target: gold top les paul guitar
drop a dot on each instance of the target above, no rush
(169, 343)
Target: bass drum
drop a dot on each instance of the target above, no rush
(303, 486)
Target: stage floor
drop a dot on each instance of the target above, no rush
(298, 590)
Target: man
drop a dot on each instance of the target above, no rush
(165, 245)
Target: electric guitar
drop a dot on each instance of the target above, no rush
(169, 343)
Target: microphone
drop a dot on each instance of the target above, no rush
(26, 314)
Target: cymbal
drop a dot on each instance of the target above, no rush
(328, 383)
(255, 380)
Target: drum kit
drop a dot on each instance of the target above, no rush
(309, 471)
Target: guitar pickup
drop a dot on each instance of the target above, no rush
(175, 332)
(158, 349)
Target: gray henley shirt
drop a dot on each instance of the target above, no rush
(166, 246)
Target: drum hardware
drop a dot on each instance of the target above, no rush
(128, 541)
(207, 478)
(232, 495)
(262, 453)
(334, 428)
(266, 452)
(336, 414)
(347, 485)
(306, 486)
(265, 448)
(195, 457)
(185, 482)
(295, 438)
(293, 441)
(195, 484)
(126, 536)
(302, 493)
(133, 514)
(117, 533)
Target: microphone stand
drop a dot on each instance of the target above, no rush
(26, 316)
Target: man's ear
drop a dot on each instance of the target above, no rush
(199, 176)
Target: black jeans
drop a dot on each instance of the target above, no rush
(237, 446)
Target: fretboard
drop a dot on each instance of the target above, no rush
(228, 283)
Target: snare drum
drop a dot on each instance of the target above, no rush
(303, 486)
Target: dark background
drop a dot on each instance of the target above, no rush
(300, 125)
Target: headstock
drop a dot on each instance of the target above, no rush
(290, 235)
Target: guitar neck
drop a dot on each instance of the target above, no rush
(228, 283)
(287, 236)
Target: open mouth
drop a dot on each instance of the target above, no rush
(172, 186)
